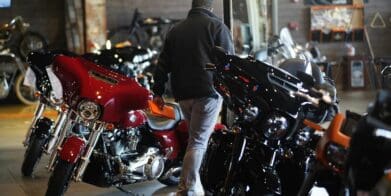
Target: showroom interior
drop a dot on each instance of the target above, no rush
(306, 111)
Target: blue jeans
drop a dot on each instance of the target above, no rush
(201, 115)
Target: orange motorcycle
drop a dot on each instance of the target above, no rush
(352, 154)
(331, 154)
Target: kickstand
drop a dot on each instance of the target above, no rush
(128, 192)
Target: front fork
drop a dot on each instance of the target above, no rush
(61, 138)
(238, 148)
(58, 127)
(309, 179)
(38, 113)
(92, 141)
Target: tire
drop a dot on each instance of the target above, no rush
(24, 93)
(60, 178)
(216, 161)
(31, 41)
(32, 155)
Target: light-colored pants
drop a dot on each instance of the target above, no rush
(201, 115)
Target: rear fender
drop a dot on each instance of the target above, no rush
(72, 149)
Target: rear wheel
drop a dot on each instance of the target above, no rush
(32, 155)
(60, 178)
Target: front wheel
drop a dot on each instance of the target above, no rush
(32, 155)
(24, 93)
(60, 178)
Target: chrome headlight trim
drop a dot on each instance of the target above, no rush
(275, 127)
(89, 110)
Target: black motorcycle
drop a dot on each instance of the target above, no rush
(268, 149)
(370, 147)
(147, 32)
(15, 43)
(131, 61)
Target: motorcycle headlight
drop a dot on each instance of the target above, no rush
(275, 127)
(336, 155)
(89, 110)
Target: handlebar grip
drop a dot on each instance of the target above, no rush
(210, 67)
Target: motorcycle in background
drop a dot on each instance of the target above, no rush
(15, 43)
(385, 71)
(131, 61)
(328, 170)
(112, 140)
(283, 52)
(268, 145)
(147, 32)
(353, 153)
(370, 147)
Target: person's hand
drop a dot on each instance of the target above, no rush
(159, 101)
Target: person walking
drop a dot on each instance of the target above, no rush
(186, 51)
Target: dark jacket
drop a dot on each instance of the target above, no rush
(186, 52)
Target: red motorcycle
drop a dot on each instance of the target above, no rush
(117, 135)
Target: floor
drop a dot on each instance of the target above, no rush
(15, 119)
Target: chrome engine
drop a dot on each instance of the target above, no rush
(134, 164)
(148, 166)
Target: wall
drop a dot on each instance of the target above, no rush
(119, 12)
(380, 38)
(47, 17)
(44, 16)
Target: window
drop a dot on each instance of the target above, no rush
(250, 26)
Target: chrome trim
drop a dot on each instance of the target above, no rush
(58, 127)
(61, 138)
(91, 143)
(284, 84)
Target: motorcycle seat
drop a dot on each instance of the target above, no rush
(158, 123)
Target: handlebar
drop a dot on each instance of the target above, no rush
(274, 49)
(210, 67)
(315, 97)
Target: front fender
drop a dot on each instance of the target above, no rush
(72, 149)
(42, 127)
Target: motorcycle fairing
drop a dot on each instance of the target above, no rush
(259, 79)
(115, 93)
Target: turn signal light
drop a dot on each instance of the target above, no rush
(64, 107)
(110, 126)
(37, 94)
